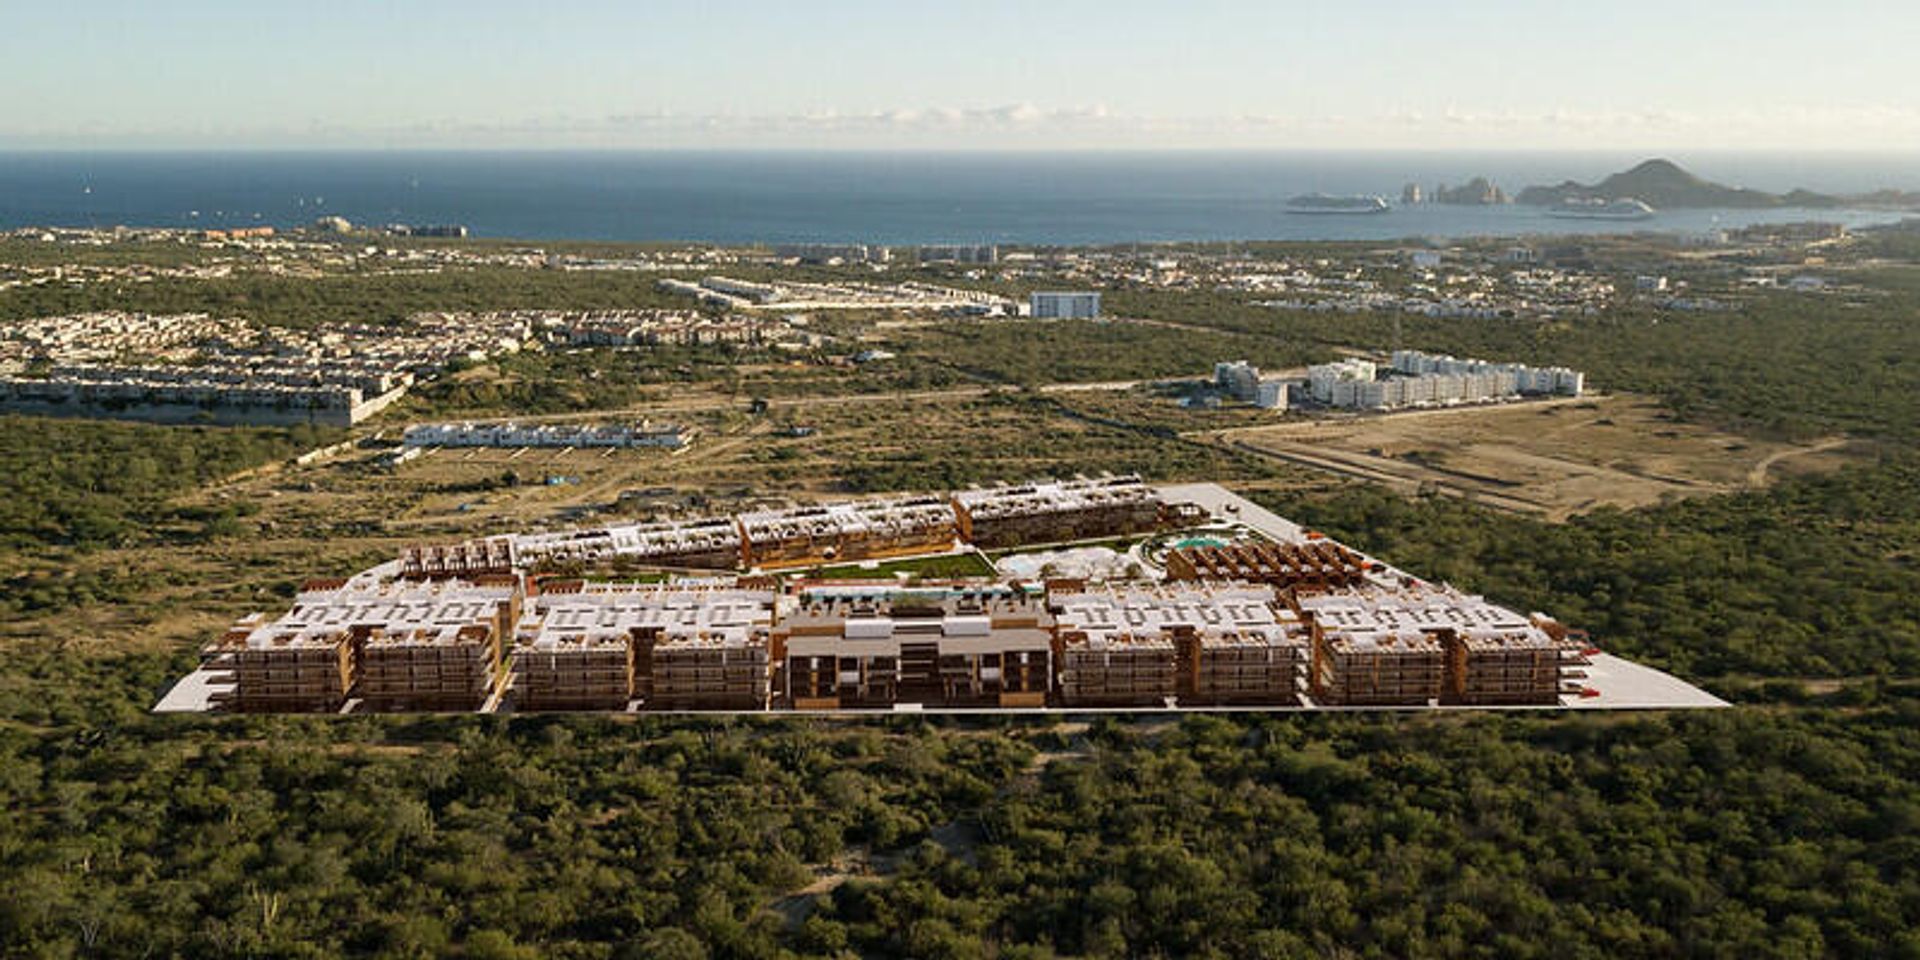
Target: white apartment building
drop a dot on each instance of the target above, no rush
(1064, 305)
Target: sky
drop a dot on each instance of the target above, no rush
(1040, 74)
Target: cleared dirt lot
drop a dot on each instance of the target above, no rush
(1550, 458)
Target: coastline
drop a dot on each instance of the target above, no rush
(885, 198)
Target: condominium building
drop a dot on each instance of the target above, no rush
(1242, 381)
(393, 645)
(959, 253)
(1064, 305)
(603, 646)
(967, 648)
(1311, 566)
(1425, 644)
(1057, 510)
(1237, 379)
(855, 530)
(1324, 378)
(707, 544)
(1509, 377)
(1141, 645)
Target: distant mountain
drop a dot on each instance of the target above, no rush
(1663, 184)
(1894, 199)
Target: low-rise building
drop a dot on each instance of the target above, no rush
(1426, 644)
(1064, 305)
(1322, 379)
(510, 434)
(1271, 395)
(671, 647)
(985, 648)
(392, 645)
(708, 544)
(855, 530)
(1054, 511)
(1421, 379)
(830, 253)
(1506, 378)
(1139, 645)
(985, 253)
(1315, 565)
(1242, 381)
(1237, 379)
(468, 558)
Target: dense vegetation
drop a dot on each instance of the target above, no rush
(74, 487)
(565, 381)
(1750, 833)
(1813, 577)
(305, 302)
(90, 483)
(1080, 351)
(1424, 837)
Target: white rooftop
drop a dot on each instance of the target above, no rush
(424, 612)
(1132, 615)
(720, 616)
(1053, 496)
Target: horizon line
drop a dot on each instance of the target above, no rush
(1652, 152)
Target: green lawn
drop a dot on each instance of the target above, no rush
(958, 565)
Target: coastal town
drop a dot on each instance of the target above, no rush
(183, 367)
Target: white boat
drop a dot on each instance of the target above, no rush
(1625, 208)
(1323, 203)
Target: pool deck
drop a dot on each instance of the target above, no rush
(1227, 505)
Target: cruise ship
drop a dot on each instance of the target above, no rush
(1625, 208)
(1323, 203)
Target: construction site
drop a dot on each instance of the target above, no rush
(1290, 620)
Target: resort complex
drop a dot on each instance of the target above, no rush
(1223, 606)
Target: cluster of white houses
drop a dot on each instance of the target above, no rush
(509, 434)
(1420, 379)
(647, 328)
(737, 294)
(100, 337)
(621, 328)
(326, 393)
(841, 253)
(187, 367)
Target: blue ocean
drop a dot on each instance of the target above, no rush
(893, 198)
